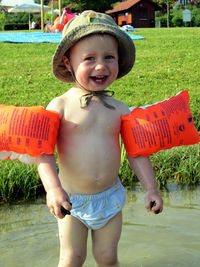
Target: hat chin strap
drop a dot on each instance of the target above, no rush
(86, 98)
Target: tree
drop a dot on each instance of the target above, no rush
(81, 5)
(39, 2)
(168, 5)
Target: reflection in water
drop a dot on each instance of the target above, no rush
(29, 237)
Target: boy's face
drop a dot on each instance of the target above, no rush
(94, 60)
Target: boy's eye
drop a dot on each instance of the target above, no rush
(89, 58)
(109, 57)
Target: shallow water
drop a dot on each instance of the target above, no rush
(29, 237)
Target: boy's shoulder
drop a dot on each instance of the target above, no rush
(121, 106)
(58, 103)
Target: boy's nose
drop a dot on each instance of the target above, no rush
(100, 66)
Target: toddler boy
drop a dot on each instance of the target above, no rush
(93, 53)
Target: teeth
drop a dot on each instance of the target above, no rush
(99, 78)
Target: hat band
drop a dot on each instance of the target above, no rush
(86, 99)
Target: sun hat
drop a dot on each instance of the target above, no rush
(91, 22)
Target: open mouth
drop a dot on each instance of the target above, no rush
(99, 79)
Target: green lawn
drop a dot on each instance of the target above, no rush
(167, 61)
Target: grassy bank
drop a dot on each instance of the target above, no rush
(167, 61)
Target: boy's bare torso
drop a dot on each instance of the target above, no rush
(88, 142)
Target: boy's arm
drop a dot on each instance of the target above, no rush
(56, 195)
(143, 170)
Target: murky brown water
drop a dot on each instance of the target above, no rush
(29, 238)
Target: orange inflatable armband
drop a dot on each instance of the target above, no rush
(27, 132)
(160, 126)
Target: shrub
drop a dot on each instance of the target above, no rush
(49, 17)
(2, 20)
(163, 20)
(176, 17)
(177, 20)
(18, 18)
(18, 21)
(197, 20)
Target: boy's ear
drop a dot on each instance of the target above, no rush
(66, 62)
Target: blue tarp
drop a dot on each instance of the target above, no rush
(30, 37)
(135, 37)
(39, 37)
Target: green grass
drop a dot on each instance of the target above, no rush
(167, 61)
(18, 181)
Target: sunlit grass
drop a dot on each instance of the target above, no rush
(18, 181)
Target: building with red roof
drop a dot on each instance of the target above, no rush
(138, 13)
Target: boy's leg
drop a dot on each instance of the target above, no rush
(73, 242)
(105, 242)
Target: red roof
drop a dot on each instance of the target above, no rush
(123, 6)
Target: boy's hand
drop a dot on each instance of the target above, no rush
(153, 202)
(58, 202)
